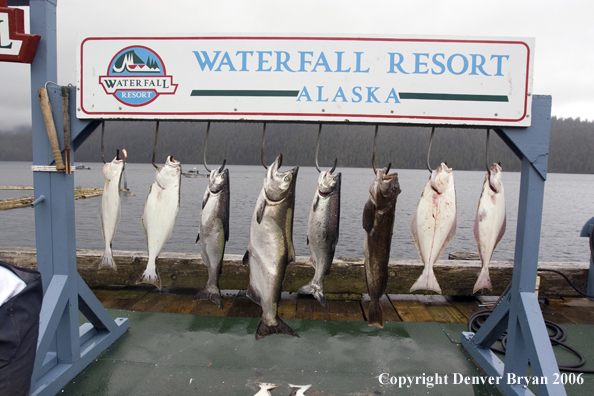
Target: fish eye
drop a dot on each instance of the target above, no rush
(287, 178)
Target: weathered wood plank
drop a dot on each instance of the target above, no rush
(388, 311)
(467, 305)
(410, 309)
(442, 311)
(186, 270)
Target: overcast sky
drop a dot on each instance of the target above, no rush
(564, 32)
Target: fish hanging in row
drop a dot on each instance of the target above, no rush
(158, 217)
(378, 223)
(214, 232)
(270, 246)
(111, 207)
(323, 228)
(489, 223)
(434, 224)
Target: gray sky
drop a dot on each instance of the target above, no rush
(563, 30)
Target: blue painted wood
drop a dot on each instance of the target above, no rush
(64, 348)
(527, 337)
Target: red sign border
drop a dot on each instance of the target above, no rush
(16, 23)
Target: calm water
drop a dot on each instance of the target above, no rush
(568, 204)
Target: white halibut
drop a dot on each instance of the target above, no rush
(489, 223)
(434, 224)
(110, 208)
(158, 217)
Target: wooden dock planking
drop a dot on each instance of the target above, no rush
(243, 307)
(409, 308)
(345, 310)
(467, 305)
(441, 309)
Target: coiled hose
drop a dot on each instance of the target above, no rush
(556, 333)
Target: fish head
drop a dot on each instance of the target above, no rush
(113, 169)
(385, 188)
(442, 178)
(495, 178)
(328, 183)
(279, 185)
(170, 173)
(218, 180)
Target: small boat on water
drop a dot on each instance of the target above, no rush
(81, 166)
(192, 173)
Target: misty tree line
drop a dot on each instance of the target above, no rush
(404, 146)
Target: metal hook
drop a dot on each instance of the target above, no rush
(102, 139)
(155, 145)
(487, 150)
(262, 152)
(373, 157)
(204, 155)
(429, 150)
(318, 149)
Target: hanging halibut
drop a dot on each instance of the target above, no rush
(434, 224)
(111, 207)
(159, 215)
(214, 232)
(378, 222)
(322, 231)
(489, 223)
(270, 246)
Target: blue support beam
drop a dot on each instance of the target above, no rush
(64, 349)
(519, 312)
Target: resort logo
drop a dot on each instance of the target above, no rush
(136, 76)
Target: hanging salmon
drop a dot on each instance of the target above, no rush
(322, 231)
(378, 222)
(270, 246)
(489, 223)
(434, 224)
(214, 232)
(111, 207)
(158, 217)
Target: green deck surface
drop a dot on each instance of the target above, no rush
(179, 355)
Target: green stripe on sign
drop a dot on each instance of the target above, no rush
(245, 92)
(462, 97)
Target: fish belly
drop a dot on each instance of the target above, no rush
(158, 218)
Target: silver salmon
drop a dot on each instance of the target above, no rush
(158, 217)
(378, 222)
(489, 223)
(434, 224)
(322, 232)
(214, 232)
(270, 246)
(111, 208)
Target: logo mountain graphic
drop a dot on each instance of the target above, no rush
(129, 61)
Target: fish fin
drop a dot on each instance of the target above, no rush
(205, 198)
(246, 258)
(368, 216)
(101, 221)
(107, 261)
(260, 211)
(314, 289)
(197, 237)
(315, 204)
(307, 240)
(280, 328)
(375, 315)
(427, 281)
(212, 293)
(483, 281)
(147, 277)
(253, 295)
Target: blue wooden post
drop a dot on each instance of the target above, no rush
(586, 232)
(63, 349)
(519, 312)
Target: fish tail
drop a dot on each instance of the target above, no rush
(427, 281)
(315, 289)
(150, 276)
(212, 293)
(107, 260)
(483, 281)
(280, 328)
(375, 316)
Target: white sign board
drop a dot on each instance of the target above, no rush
(418, 80)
